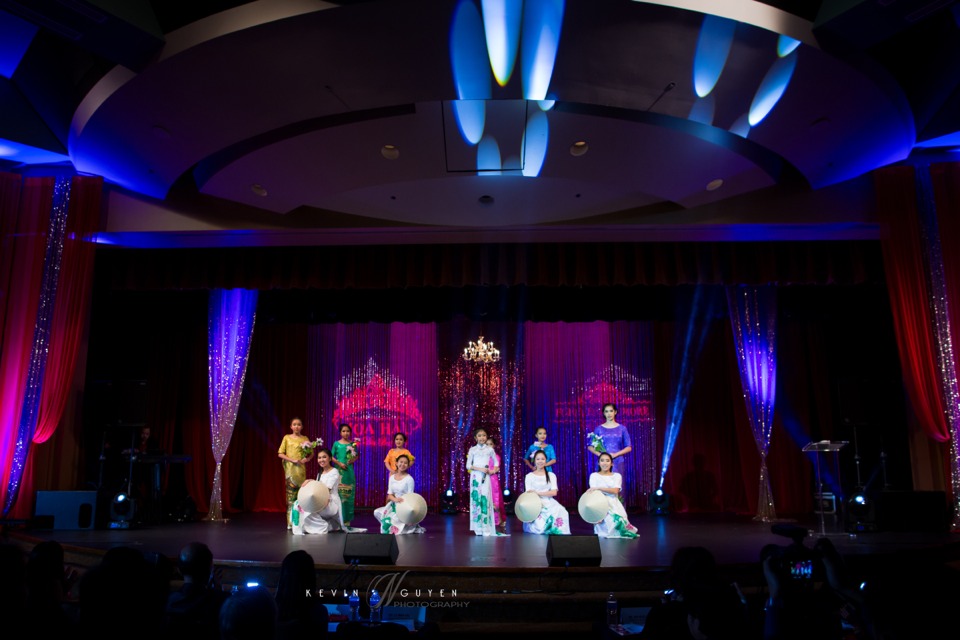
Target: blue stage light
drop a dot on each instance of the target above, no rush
(772, 88)
(488, 157)
(542, 21)
(501, 24)
(713, 47)
(536, 139)
(468, 54)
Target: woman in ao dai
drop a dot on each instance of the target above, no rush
(481, 464)
(553, 518)
(609, 483)
(330, 518)
(401, 483)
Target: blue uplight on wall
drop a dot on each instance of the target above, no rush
(468, 54)
(786, 45)
(546, 105)
(488, 157)
(713, 47)
(25, 154)
(542, 22)
(949, 140)
(471, 118)
(772, 88)
(501, 23)
(536, 138)
(702, 110)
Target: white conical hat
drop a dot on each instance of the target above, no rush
(313, 496)
(593, 506)
(528, 506)
(412, 510)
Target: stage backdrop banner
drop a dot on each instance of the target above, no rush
(380, 379)
(572, 370)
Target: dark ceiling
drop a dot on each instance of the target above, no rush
(264, 123)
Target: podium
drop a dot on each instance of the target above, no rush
(819, 449)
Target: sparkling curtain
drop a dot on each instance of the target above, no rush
(380, 379)
(945, 185)
(572, 370)
(232, 314)
(474, 395)
(753, 318)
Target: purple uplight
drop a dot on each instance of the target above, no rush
(230, 331)
(753, 317)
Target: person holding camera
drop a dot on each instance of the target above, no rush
(807, 589)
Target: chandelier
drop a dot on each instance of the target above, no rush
(481, 351)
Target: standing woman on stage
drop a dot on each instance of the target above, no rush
(499, 515)
(553, 518)
(479, 462)
(401, 483)
(295, 457)
(611, 437)
(345, 452)
(608, 482)
(330, 518)
(399, 449)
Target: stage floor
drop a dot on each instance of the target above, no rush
(261, 538)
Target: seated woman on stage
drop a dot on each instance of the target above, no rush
(606, 481)
(553, 518)
(401, 483)
(330, 518)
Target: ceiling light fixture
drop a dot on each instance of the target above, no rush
(481, 351)
(713, 185)
(579, 148)
(258, 189)
(390, 152)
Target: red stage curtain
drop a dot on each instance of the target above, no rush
(66, 331)
(546, 265)
(910, 297)
(25, 216)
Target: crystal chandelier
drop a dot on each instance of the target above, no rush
(481, 351)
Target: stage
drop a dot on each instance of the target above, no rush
(464, 580)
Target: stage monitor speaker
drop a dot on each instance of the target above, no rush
(860, 513)
(573, 551)
(70, 509)
(370, 549)
(912, 511)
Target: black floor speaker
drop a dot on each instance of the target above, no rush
(364, 548)
(913, 511)
(573, 551)
(70, 509)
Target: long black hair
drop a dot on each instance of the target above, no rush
(546, 470)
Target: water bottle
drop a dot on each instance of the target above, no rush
(354, 606)
(375, 611)
(612, 610)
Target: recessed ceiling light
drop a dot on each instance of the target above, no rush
(579, 148)
(258, 190)
(390, 152)
(485, 201)
(713, 185)
(161, 132)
